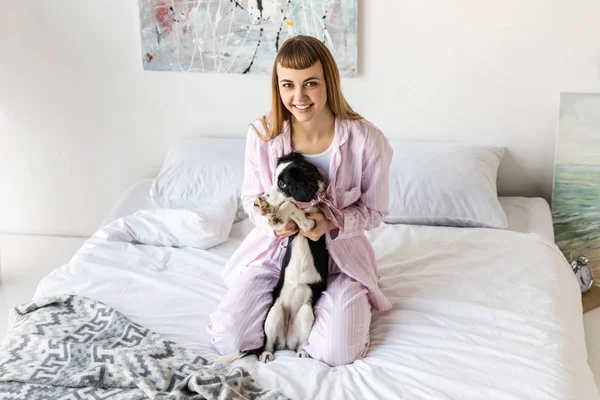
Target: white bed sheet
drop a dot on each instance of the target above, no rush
(477, 313)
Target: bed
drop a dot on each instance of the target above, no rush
(478, 313)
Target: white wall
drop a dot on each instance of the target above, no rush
(80, 121)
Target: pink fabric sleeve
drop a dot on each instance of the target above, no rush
(372, 206)
(256, 162)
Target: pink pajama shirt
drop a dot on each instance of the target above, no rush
(358, 193)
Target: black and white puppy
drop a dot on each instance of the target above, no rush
(304, 270)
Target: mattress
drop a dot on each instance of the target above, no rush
(477, 313)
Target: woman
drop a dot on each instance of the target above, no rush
(310, 116)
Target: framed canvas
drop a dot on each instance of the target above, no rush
(242, 36)
(576, 189)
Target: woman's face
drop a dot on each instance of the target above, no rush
(303, 91)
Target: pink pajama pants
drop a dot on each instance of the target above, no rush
(340, 334)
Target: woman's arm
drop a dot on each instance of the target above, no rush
(256, 161)
(372, 206)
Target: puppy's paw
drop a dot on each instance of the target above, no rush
(275, 221)
(266, 357)
(306, 225)
(263, 206)
(302, 354)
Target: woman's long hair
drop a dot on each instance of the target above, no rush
(301, 52)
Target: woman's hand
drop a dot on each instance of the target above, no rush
(288, 230)
(322, 226)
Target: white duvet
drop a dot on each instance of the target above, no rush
(477, 313)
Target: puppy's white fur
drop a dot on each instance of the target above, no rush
(273, 195)
(291, 317)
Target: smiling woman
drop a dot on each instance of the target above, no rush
(310, 115)
(305, 68)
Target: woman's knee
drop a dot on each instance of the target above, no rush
(238, 327)
(237, 323)
(230, 337)
(335, 352)
(340, 334)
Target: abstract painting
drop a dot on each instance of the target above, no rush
(576, 192)
(242, 36)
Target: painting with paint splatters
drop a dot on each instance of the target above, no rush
(576, 193)
(242, 36)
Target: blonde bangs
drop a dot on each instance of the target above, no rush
(297, 55)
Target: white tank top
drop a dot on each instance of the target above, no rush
(321, 161)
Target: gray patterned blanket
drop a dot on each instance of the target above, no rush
(72, 347)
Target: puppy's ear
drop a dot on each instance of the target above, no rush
(290, 157)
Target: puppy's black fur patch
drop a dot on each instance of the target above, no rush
(300, 179)
(320, 255)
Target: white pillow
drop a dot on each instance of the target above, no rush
(201, 228)
(449, 184)
(197, 170)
